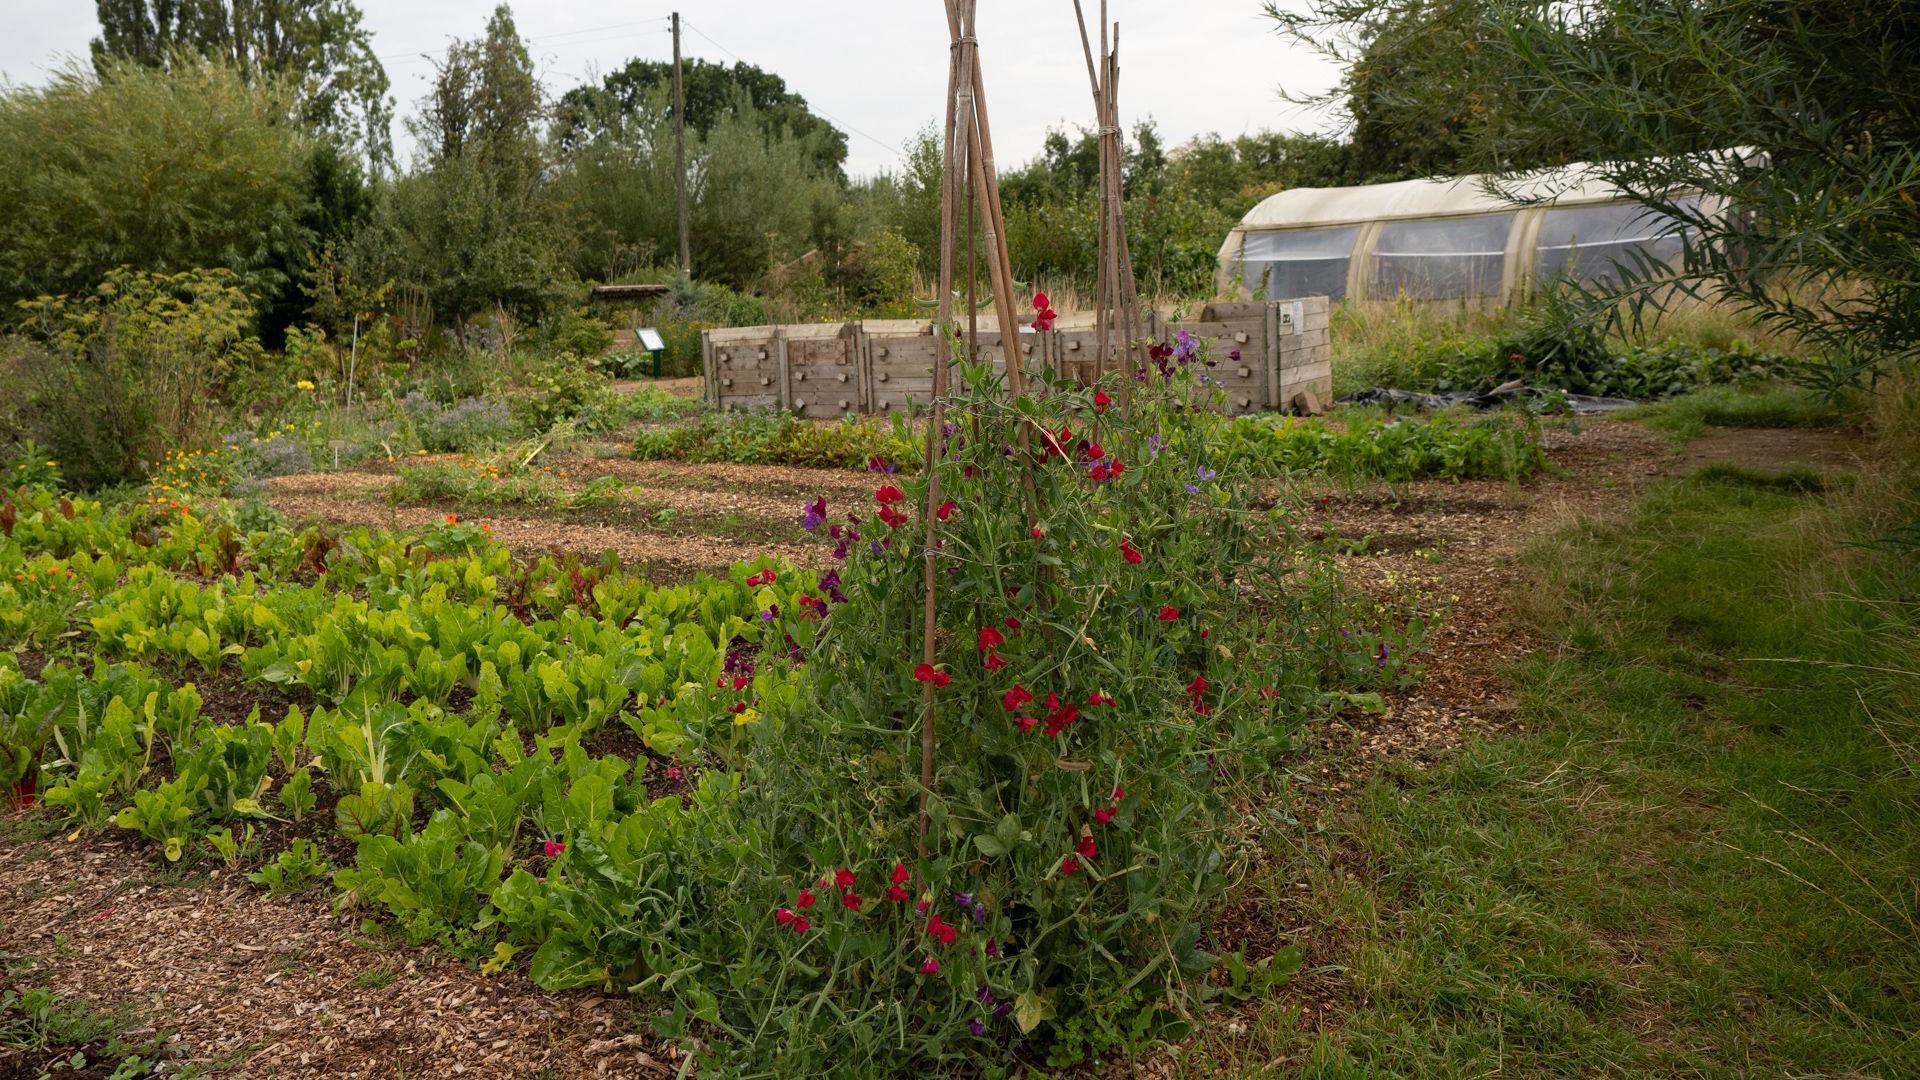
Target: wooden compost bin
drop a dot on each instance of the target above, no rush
(881, 366)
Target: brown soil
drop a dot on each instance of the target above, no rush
(256, 986)
(1771, 449)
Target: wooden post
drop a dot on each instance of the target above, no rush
(680, 150)
(1117, 297)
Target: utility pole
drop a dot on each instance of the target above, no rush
(680, 149)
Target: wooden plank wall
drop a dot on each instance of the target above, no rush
(1268, 356)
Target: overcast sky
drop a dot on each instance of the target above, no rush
(877, 68)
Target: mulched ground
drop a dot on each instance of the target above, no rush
(249, 985)
(265, 987)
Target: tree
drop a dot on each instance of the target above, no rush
(160, 170)
(317, 47)
(1785, 135)
(638, 93)
(754, 198)
(475, 226)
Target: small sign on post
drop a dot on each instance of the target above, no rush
(651, 342)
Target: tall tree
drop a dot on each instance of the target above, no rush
(317, 47)
(476, 226)
(713, 93)
(236, 185)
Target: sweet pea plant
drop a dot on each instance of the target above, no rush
(1100, 689)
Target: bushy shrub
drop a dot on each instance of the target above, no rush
(468, 425)
(561, 390)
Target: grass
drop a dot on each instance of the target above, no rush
(1775, 406)
(1696, 856)
(1407, 344)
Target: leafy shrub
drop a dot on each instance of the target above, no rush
(128, 370)
(564, 389)
(469, 425)
(572, 330)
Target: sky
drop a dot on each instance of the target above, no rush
(877, 68)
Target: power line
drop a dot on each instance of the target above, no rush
(415, 53)
(890, 148)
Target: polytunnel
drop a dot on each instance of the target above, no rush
(1443, 239)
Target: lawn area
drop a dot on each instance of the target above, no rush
(1693, 853)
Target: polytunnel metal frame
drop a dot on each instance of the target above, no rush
(1530, 204)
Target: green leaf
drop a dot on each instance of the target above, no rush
(1031, 1009)
(562, 963)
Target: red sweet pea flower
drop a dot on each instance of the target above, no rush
(945, 511)
(1012, 624)
(1103, 815)
(1098, 698)
(801, 924)
(892, 517)
(1087, 849)
(1037, 534)
(927, 673)
(1016, 697)
(887, 494)
(896, 894)
(784, 917)
(901, 875)
(805, 899)
(1069, 864)
(1169, 613)
(553, 847)
(1043, 313)
(1269, 693)
(988, 638)
(843, 878)
(1198, 686)
(1059, 719)
(1101, 401)
(740, 682)
(994, 661)
(938, 929)
(931, 967)
(1095, 452)
(1026, 723)
(1119, 793)
(1129, 552)
(851, 901)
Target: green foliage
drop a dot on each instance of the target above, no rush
(133, 367)
(1504, 446)
(316, 47)
(1531, 877)
(1782, 135)
(296, 869)
(1764, 406)
(81, 191)
(756, 199)
(775, 438)
(640, 92)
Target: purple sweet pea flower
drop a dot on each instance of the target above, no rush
(815, 514)
(977, 1027)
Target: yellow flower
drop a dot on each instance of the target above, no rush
(750, 716)
(303, 384)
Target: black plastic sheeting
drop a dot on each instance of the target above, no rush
(1513, 393)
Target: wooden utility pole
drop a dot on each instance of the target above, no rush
(680, 149)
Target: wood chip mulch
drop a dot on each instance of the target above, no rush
(248, 985)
